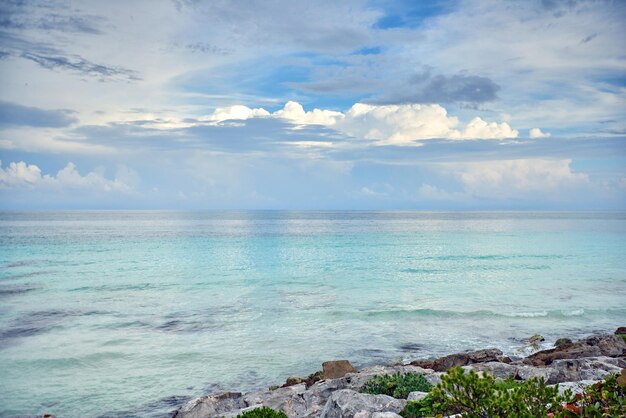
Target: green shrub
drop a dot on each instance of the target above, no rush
(263, 412)
(474, 396)
(397, 385)
(604, 399)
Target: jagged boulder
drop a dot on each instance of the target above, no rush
(337, 368)
(462, 359)
(211, 405)
(289, 399)
(590, 368)
(603, 345)
(496, 369)
(346, 403)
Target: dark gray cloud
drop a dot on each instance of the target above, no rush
(53, 58)
(47, 16)
(588, 38)
(427, 88)
(12, 114)
(80, 65)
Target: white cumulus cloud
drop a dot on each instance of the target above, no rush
(537, 133)
(22, 175)
(385, 124)
(237, 112)
(294, 112)
(19, 174)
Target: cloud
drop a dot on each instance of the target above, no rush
(47, 16)
(426, 88)
(518, 178)
(480, 129)
(236, 112)
(20, 175)
(430, 192)
(55, 58)
(537, 133)
(386, 124)
(80, 65)
(294, 112)
(18, 115)
(205, 48)
(323, 25)
(403, 124)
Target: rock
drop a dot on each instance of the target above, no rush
(357, 380)
(620, 330)
(289, 399)
(529, 372)
(604, 345)
(364, 414)
(496, 369)
(434, 378)
(314, 377)
(563, 342)
(337, 368)
(236, 412)
(425, 364)
(536, 339)
(317, 395)
(346, 403)
(293, 381)
(416, 396)
(621, 379)
(504, 359)
(575, 387)
(211, 405)
(461, 359)
(590, 368)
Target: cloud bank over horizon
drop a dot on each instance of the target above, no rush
(464, 104)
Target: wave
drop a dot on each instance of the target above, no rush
(442, 313)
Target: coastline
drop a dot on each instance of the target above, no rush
(336, 390)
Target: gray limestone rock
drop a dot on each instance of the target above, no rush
(589, 368)
(211, 405)
(346, 403)
(416, 396)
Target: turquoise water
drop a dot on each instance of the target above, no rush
(131, 313)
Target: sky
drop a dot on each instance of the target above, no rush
(367, 105)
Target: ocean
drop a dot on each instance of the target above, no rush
(130, 313)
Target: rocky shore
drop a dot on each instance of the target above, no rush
(335, 392)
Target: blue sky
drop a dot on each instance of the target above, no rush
(190, 104)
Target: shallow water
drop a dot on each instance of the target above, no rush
(131, 313)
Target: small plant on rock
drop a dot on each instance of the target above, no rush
(263, 412)
(397, 385)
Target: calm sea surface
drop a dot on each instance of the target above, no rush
(130, 313)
